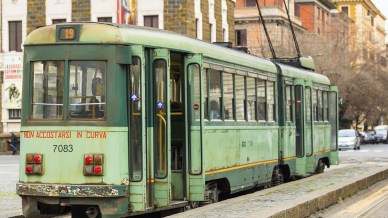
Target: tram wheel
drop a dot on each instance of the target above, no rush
(320, 167)
(277, 177)
(85, 212)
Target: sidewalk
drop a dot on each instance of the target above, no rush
(7, 153)
(10, 202)
(299, 198)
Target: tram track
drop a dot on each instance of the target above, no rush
(369, 203)
(371, 208)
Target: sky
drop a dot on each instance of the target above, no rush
(382, 5)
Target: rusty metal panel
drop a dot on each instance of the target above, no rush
(55, 190)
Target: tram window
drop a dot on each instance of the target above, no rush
(47, 93)
(197, 90)
(87, 89)
(325, 106)
(333, 120)
(251, 98)
(240, 97)
(261, 100)
(160, 118)
(271, 101)
(308, 104)
(135, 120)
(228, 96)
(288, 104)
(315, 106)
(205, 88)
(214, 94)
(319, 105)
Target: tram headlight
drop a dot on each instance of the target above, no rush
(93, 164)
(34, 164)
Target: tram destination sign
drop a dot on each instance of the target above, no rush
(68, 32)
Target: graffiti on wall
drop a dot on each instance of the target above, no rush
(127, 11)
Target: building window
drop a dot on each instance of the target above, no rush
(55, 21)
(319, 14)
(345, 10)
(15, 35)
(212, 33)
(151, 21)
(241, 37)
(250, 3)
(197, 28)
(105, 19)
(14, 114)
(297, 10)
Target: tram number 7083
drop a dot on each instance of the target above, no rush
(63, 148)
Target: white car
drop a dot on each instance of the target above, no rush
(348, 139)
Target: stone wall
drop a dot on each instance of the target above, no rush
(218, 16)
(205, 20)
(230, 18)
(80, 10)
(179, 16)
(36, 14)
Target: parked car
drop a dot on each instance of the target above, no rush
(371, 139)
(381, 133)
(349, 139)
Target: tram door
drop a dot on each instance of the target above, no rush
(195, 180)
(160, 126)
(300, 133)
(165, 143)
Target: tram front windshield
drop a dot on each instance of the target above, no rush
(86, 89)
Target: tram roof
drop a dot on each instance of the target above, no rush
(108, 33)
(295, 72)
(150, 37)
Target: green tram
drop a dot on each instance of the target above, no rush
(121, 120)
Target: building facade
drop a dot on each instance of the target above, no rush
(314, 15)
(307, 16)
(368, 29)
(368, 47)
(208, 20)
(249, 28)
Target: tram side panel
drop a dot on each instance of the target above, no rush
(287, 152)
(244, 156)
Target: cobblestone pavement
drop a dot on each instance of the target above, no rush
(10, 202)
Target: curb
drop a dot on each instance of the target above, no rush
(300, 198)
(319, 203)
